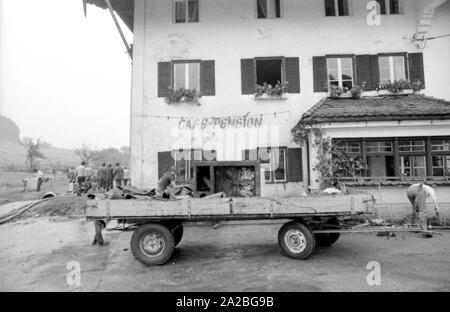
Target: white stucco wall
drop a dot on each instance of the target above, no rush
(228, 32)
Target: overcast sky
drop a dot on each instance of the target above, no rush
(64, 78)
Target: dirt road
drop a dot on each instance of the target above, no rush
(34, 255)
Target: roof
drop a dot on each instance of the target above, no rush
(411, 107)
(123, 8)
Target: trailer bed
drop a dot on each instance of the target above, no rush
(198, 209)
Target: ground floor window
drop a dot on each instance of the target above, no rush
(183, 162)
(418, 157)
(273, 160)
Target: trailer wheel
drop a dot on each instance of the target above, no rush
(296, 240)
(152, 244)
(326, 239)
(178, 234)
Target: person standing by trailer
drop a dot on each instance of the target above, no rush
(109, 177)
(417, 195)
(126, 176)
(118, 174)
(101, 174)
(40, 179)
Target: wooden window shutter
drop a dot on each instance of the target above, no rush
(363, 71)
(207, 78)
(164, 78)
(250, 155)
(294, 165)
(374, 73)
(320, 74)
(248, 76)
(165, 161)
(292, 73)
(416, 68)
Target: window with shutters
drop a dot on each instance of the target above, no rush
(186, 76)
(274, 162)
(337, 7)
(183, 160)
(268, 9)
(340, 72)
(269, 71)
(392, 68)
(389, 7)
(186, 11)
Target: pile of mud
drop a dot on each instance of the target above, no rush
(69, 206)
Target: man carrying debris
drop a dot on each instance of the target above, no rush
(166, 187)
(417, 195)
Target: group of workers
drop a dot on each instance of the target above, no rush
(106, 177)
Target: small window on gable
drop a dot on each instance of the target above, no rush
(337, 8)
(186, 11)
(340, 72)
(186, 76)
(389, 7)
(268, 8)
(269, 71)
(392, 68)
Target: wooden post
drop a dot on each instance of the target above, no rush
(396, 158)
(429, 157)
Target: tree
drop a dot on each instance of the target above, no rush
(85, 153)
(32, 152)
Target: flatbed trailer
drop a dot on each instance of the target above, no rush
(312, 220)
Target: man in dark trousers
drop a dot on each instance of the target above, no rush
(109, 177)
(118, 174)
(98, 238)
(101, 174)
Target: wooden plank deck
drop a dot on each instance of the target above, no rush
(230, 208)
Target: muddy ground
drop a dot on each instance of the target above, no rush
(35, 252)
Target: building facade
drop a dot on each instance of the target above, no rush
(306, 50)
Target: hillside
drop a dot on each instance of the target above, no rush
(9, 131)
(12, 157)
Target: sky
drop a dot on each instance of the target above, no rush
(64, 78)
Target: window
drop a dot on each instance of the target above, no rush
(268, 8)
(269, 71)
(413, 166)
(389, 6)
(186, 76)
(183, 163)
(340, 72)
(336, 8)
(441, 165)
(350, 147)
(274, 162)
(392, 68)
(379, 147)
(440, 145)
(412, 146)
(186, 11)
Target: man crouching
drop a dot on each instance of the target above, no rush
(417, 195)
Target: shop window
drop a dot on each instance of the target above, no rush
(186, 76)
(337, 8)
(441, 165)
(269, 71)
(186, 11)
(412, 146)
(413, 166)
(268, 8)
(392, 68)
(340, 72)
(440, 145)
(389, 7)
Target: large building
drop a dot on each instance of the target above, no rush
(200, 68)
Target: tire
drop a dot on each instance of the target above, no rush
(152, 244)
(178, 234)
(296, 240)
(326, 239)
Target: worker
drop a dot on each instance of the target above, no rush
(101, 174)
(126, 176)
(80, 176)
(40, 178)
(109, 177)
(98, 238)
(166, 187)
(417, 195)
(118, 174)
(71, 177)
